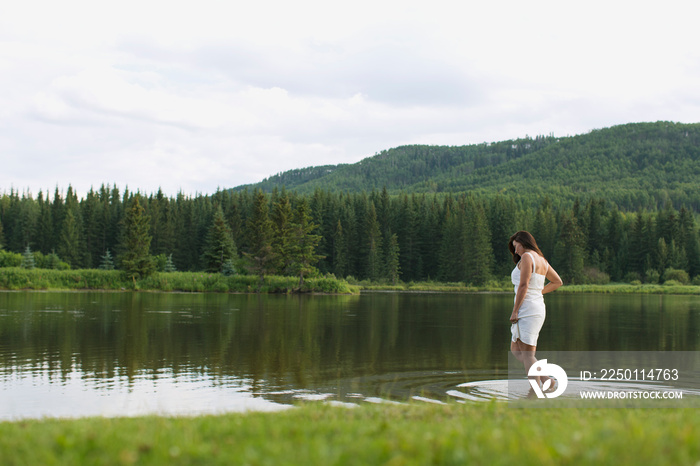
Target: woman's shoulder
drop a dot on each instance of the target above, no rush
(533, 260)
(526, 259)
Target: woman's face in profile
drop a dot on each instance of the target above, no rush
(518, 248)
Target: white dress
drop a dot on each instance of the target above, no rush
(532, 311)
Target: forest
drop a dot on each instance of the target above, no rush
(638, 165)
(616, 204)
(366, 235)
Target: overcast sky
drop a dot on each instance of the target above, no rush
(199, 95)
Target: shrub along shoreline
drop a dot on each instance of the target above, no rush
(15, 278)
(618, 288)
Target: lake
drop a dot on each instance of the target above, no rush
(70, 354)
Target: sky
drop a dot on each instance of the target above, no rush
(197, 96)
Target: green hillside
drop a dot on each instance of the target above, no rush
(633, 165)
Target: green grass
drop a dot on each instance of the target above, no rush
(488, 433)
(433, 286)
(507, 287)
(15, 278)
(632, 288)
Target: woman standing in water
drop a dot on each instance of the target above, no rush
(528, 277)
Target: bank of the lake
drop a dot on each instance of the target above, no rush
(482, 433)
(15, 278)
(622, 288)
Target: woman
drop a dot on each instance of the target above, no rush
(528, 277)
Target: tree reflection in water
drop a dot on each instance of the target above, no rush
(390, 345)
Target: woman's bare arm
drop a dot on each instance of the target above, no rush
(525, 274)
(554, 281)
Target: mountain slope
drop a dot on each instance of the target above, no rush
(636, 165)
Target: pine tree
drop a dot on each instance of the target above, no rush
(407, 235)
(641, 246)
(281, 217)
(595, 237)
(431, 237)
(501, 217)
(228, 269)
(91, 215)
(545, 228)
(57, 214)
(614, 252)
(52, 261)
(663, 257)
(452, 247)
(352, 235)
(113, 220)
(688, 239)
(373, 240)
(220, 247)
(678, 259)
(322, 215)
(25, 214)
(28, 259)
(260, 254)
(340, 252)
(136, 260)
(233, 216)
(170, 266)
(157, 212)
(478, 255)
(107, 261)
(304, 243)
(569, 251)
(667, 224)
(384, 214)
(104, 223)
(69, 246)
(393, 269)
(167, 228)
(203, 213)
(185, 247)
(74, 239)
(43, 239)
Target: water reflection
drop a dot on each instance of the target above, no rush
(130, 353)
(598, 322)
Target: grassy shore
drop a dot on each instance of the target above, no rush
(488, 433)
(646, 288)
(14, 278)
(507, 287)
(436, 287)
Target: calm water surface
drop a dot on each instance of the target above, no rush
(80, 354)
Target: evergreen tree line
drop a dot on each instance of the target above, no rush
(641, 165)
(367, 235)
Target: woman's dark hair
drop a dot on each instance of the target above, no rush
(527, 240)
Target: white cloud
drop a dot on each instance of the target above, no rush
(196, 96)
